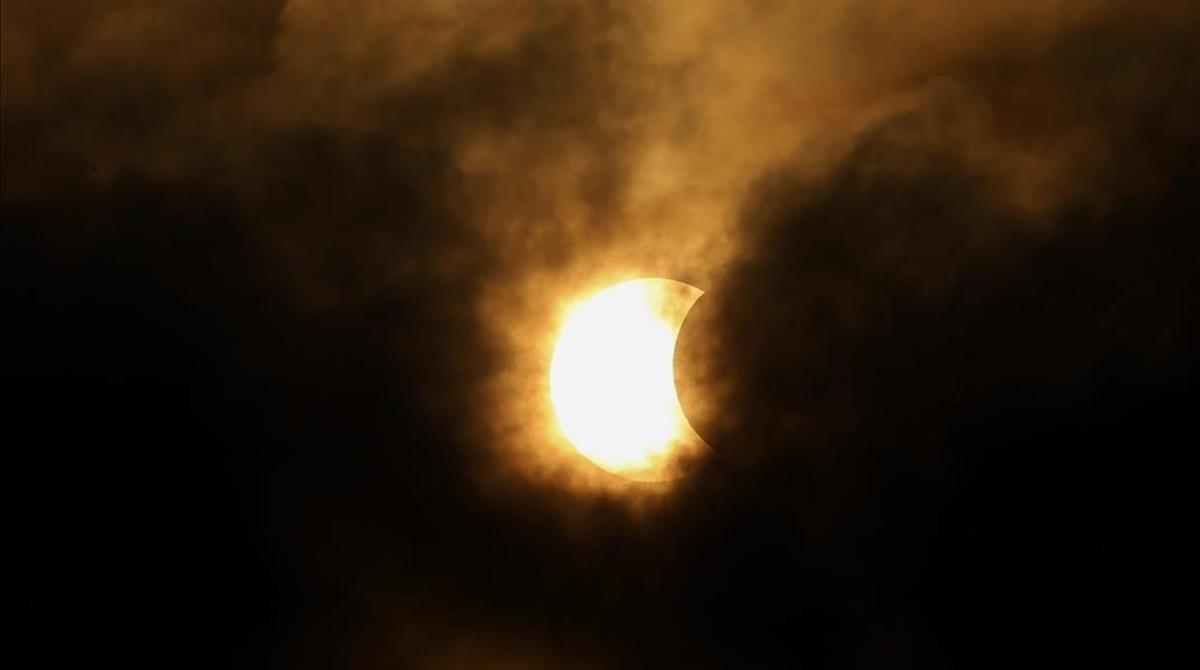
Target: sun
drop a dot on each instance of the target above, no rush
(612, 381)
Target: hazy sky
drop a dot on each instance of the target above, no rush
(284, 278)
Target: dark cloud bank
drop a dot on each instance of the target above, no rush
(249, 250)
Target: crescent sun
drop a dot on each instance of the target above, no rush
(612, 381)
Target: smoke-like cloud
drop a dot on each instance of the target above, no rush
(914, 221)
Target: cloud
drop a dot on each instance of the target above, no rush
(325, 248)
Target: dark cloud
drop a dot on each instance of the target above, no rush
(282, 276)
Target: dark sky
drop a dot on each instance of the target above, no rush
(280, 279)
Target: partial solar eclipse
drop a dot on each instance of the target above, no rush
(612, 380)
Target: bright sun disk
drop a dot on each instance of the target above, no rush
(612, 380)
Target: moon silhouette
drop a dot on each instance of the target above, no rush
(612, 381)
